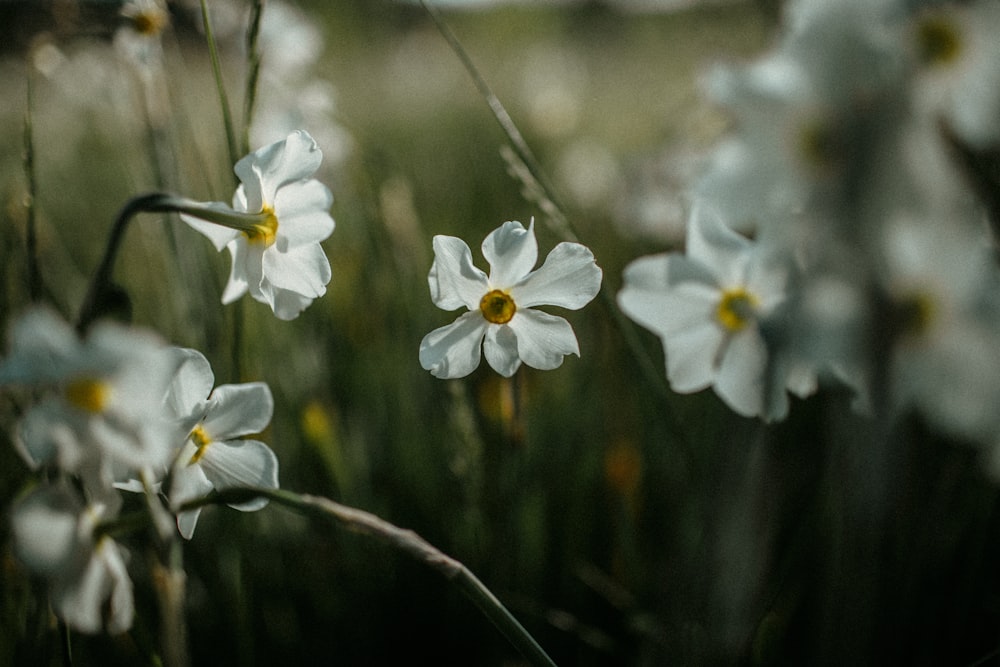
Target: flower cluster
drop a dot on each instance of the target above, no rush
(839, 235)
(120, 410)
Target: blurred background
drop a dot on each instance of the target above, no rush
(620, 523)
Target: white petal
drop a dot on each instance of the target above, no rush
(79, 598)
(569, 278)
(542, 339)
(512, 252)
(453, 279)
(650, 285)
(303, 212)
(269, 168)
(303, 269)
(500, 349)
(236, 410)
(288, 305)
(191, 385)
(43, 526)
(714, 244)
(241, 463)
(239, 277)
(740, 377)
(41, 349)
(219, 235)
(691, 355)
(454, 351)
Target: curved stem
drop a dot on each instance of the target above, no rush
(155, 202)
(411, 543)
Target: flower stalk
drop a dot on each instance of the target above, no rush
(407, 541)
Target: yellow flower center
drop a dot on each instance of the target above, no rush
(150, 21)
(938, 40)
(88, 394)
(201, 441)
(264, 232)
(497, 307)
(819, 144)
(914, 313)
(736, 309)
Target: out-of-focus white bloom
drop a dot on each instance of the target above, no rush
(278, 258)
(805, 115)
(942, 283)
(501, 318)
(106, 411)
(960, 79)
(214, 456)
(139, 39)
(707, 308)
(54, 536)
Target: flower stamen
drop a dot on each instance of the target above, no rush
(88, 394)
(736, 309)
(265, 231)
(201, 441)
(497, 307)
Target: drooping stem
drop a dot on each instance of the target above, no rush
(155, 202)
(407, 541)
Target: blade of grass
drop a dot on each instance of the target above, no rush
(34, 273)
(213, 52)
(253, 70)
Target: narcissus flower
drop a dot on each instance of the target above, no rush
(282, 215)
(214, 456)
(105, 406)
(501, 320)
(54, 536)
(707, 307)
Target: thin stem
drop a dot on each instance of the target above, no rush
(507, 124)
(100, 284)
(156, 202)
(407, 541)
(34, 274)
(213, 52)
(253, 71)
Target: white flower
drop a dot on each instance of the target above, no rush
(277, 257)
(942, 284)
(107, 405)
(54, 536)
(213, 457)
(501, 318)
(707, 307)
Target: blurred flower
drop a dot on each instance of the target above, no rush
(942, 283)
(139, 39)
(278, 257)
(106, 412)
(54, 536)
(212, 457)
(501, 319)
(960, 77)
(707, 307)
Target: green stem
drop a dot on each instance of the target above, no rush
(253, 72)
(407, 541)
(34, 274)
(213, 52)
(155, 202)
